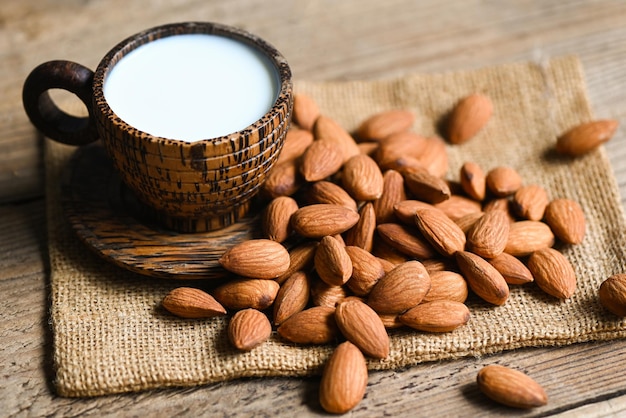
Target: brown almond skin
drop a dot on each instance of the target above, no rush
(315, 325)
(292, 297)
(283, 180)
(344, 379)
(438, 229)
(362, 178)
(383, 124)
(425, 186)
(488, 235)
(483, 278)
(362, 234)
(328, 128)
(321, 159)
(526, 237)
(553, 273)
(247, 293)
(362, 326)
(530, 202)
(567, 220)
(406, 239)
(436, 316)
(277, 216)
(332, 262)
(510, 387)
(503, 181)
(296, 142)
(328, 192)
(446, 285)
(300, 259)
(397, 147)
(401, 289)
(473, 181)
(468, 117)
(434, 156)
(393, 192)
(458, 206)
(248, 329)
(467, 222)
(367, 270)
(406, 209)
(305, 111)
(612, 294)
(319, 220)
(512, 269)
(323, 294)
(257, 258)
(586, 137)
(188, 302)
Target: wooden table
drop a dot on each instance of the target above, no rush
(323, 40)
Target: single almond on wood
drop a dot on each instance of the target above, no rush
(296, 142)
(488, 235)
(503, 181)
(328, 192)
(468, 117)
(586, 137)
(510, 387)
(436, 316)
(315, 325)
(320, 160)
(367, 270)
(362, 178)
(188, 302)
(362, 234)
(446, 285)
(393, 192)
(247, 293)
(473, 180)
(530, 202)
(483, 278)
(344, 379)
(332, 262)
(362, 326)
(292, 297)
(401, 289)
(319, 220)
(425, 186)
(328, 128)
(553, 273)
(438, 229)
(276, 218)
(612, 294)
(526, 237)
(248, 329)
(567, 220)
(258, 258)
(512, 269)
(383, 124)
(305, 111)
(406, 239)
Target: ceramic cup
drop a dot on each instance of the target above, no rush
(188, 185)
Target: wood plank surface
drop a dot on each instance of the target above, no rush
(323, 40)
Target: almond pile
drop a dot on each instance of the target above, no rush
(363, 233)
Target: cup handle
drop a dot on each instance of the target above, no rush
(46, 115)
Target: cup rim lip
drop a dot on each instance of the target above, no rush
(193, 27)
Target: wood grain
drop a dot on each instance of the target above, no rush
(323, 40)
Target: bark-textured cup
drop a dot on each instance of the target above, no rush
(189, 186)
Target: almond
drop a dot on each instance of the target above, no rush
(446, 285)
(311, 326)
(529, 202)
(320, 160)
(362, 234)
(406, 239)
(393, 192)
(284, 179)
(444, 235)
(247, 293)
(503, 204)
(296, 142)
(300, 258)
(503, 181)
(344, 379)
(458, 206)
(323, 294)
(332, 262)
(489, 234)
(383, 124)
(367, 270)
(473, 180)
(567, 220)
(327, 128)
(612, 294)
(362, 326)
(258, 258)
(405, 210)
(402, 288)
(468, 117)
(434, 156)
(398, 146)
(277, 216)
(388, 253)
(526, 237)
(292, 297)
(436, 316)
(510, 387)
(553, 273)
(466, 222)
(319, 220)
(512, 269)
(248, 329)
(368, 148)
(187, 302)
(362, 178)
(483, 278)
(586, 137)
(425, 186)
(328, 192)
(305, 111)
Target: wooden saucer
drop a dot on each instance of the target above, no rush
(110, 221)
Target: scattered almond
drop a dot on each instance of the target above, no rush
(328, 192)
(468, 117)
(367, 270)
(488, 235)
(187, 302)
(530, 202)
(247, 293)
(510, 387)
(446, 285)
(436, 316)
(401, 289)
(320, 160)
(317, 221)
(553, 273)
(362, 326)
(567, 220)
(258, 258)
(612, 294)
(344, 379)
(248, 329)
(473, 180)
(292, 297)
(296, 142)
(332, 262)
(362, 234)
(315, 325)
(512, 269)
(586, 137)
(393, 192)
(526, 237)
(327, 128)
(406, 239)
(503, 181)
(277, 216)
(383, 124)
(440, 231)
(362, 178)
(305, 111)
(425, 186)
(483, 278)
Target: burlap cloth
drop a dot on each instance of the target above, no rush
(111, 335)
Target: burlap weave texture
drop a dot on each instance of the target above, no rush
(111, 335)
